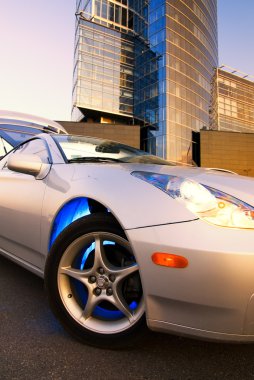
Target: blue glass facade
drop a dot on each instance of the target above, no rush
(151, 62)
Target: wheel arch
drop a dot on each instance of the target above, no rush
(73, 210)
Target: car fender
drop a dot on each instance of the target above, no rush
(134, 203)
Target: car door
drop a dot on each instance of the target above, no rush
(21, 198)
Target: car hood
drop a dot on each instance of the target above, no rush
(236, 185)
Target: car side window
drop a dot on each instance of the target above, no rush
(5, 147)
(37, 147)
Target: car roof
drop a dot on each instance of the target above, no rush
(28, 120)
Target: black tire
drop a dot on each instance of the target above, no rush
(93, 284)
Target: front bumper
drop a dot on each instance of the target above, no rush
(213, 297)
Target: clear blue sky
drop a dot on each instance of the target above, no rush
(236, 34)
(37, 39)
(36, 59)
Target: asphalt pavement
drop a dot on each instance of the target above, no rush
(34, 346)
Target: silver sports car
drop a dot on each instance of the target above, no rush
(124, 239)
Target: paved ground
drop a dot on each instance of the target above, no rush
(34, 346)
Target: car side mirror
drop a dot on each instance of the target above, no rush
(28, 164)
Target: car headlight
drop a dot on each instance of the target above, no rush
(207, 203)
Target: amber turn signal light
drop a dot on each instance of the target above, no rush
(169, 260)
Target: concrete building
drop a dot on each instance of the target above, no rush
(228, 150)
(147, 62)
(125, 134)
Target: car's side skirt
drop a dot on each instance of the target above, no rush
(22, 263)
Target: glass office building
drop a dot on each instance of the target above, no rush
(149, 62)
(233, 100)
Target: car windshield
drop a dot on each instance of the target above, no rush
(90, 149)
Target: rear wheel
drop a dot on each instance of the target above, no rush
(93, 283)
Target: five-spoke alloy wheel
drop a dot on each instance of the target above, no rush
(93, 282)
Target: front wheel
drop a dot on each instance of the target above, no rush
(93, 283)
